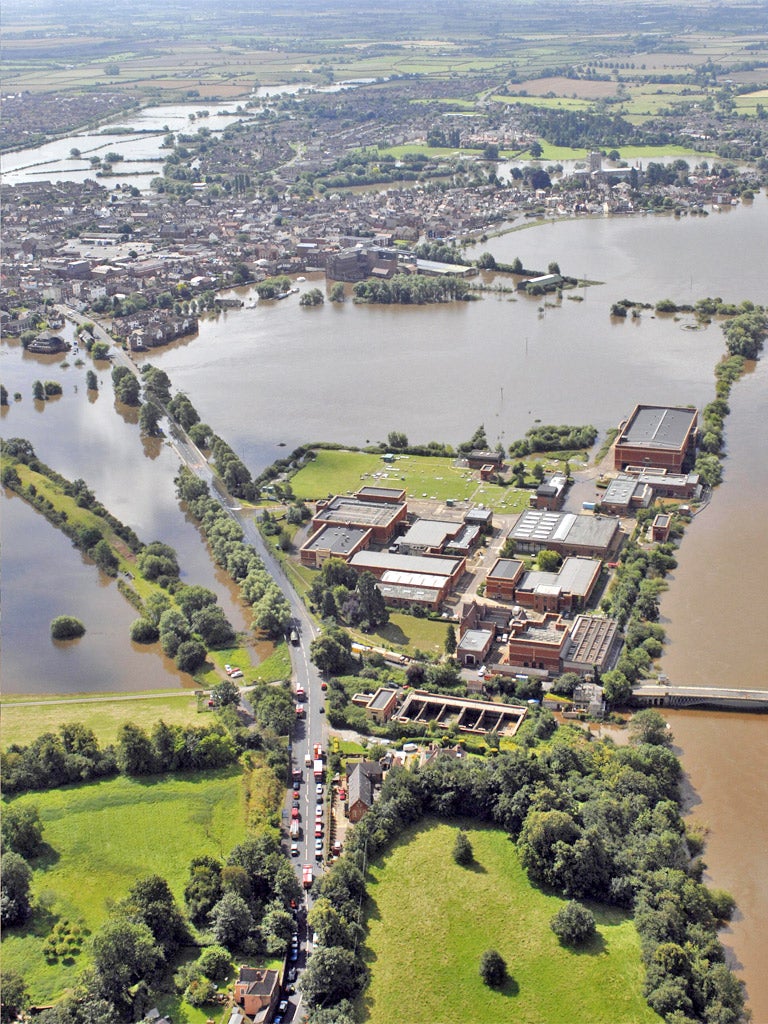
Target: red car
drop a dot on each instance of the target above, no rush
(323, 686)
(295, 813)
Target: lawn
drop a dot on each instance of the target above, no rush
(23, 722)
(429, 921)
(422, 476)
(407, 632)
(100, 838)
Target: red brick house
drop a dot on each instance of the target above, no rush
(257, 991)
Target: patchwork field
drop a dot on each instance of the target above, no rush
(429, 921)
(100, 838)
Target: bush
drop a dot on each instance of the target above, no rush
(462, 850)
(144, 632)
(215, 962)
(493, 968)
(66, 627)
(573, 924)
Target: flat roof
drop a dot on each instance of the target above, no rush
(475, 640)
(395, 591)
(381, 698)
(591, 638)
(621, 491)
(413, 579)
(540, 526)
(430, 533)
(429, 564)
(658, 426)
(394, 493)
(354, 511)
(339, 539)
(504, 569)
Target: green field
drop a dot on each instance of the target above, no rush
(104, 713)
(100, 838)
(407, 632)
(422, 476)
(430, 920)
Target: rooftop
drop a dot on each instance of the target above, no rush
(430, 533)
(591, 639)
(429, 564)
(505, 569)
(475, 640)
(354, 511)
(339, 539)
(656, 426)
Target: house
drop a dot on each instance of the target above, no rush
(477, 459)
(257, 991)
(550, 494)
(663, 437)
(502, 579)
(361, 784)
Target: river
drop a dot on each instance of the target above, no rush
(277, 374)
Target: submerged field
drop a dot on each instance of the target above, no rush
(103, 836)
(429, 921)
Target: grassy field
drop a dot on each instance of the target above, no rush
(104, 713)
(407, 632)
(422, 476)
(430, 920)
(100, 838)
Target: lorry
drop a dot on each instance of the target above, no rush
(317, 769)
(306, 876)
(295, 829)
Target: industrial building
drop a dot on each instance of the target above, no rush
(594, 536)
(662, 437)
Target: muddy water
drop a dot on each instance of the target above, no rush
(726, 761)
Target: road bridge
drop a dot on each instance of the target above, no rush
(662, 695)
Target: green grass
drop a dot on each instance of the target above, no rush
(422, 476)
(102, 713)
(430, 920)
(276, 666)
(407, 633)
(100, 838)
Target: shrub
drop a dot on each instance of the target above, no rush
(66, 627)
(144, 632)
(462, 850)
(573, 924)
(493, 968)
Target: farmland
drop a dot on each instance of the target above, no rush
(430, 920)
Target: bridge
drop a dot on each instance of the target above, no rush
(662, 695)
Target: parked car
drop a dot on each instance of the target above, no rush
(236, 674)
(283, 1006)
(318, 813)
(319, 830)
(294, 849)
(294, 955)
(323, 685)
(319, 790)
(295, 813)
(318, 844)
(296, 785)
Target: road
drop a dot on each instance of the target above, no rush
(310, 729)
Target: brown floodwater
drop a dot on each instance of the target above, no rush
(278, 374)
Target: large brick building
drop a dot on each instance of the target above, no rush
(592, 536)
(662, 437)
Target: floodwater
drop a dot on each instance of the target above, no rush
(276, 373)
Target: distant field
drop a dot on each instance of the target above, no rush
(102, 713)
(423, 477)
(102, 837)
(430, 920)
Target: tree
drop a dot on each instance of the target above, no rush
(450, 640)
(617, 689)
(135, 752)
(373, 611)
(549, 561)
(332, 974)
(123, 953)
(277, 926)
(190, 656)
(66, 627)
(535, 150)
(231, 921)
(203, 890)
(22, 830)
(104, 557)
(215, 962)
(648, 726)
(573, 924)
(275, 711)
(144, 632)
(149, 420)
(3, 395)
(150, 902)
(397, 439)
(212, 625)
(462, 850)
(331, 651)
(38, 391)
(13, 997)
(493, 968)
(14, 899)
(337, 292)
(91, 381)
